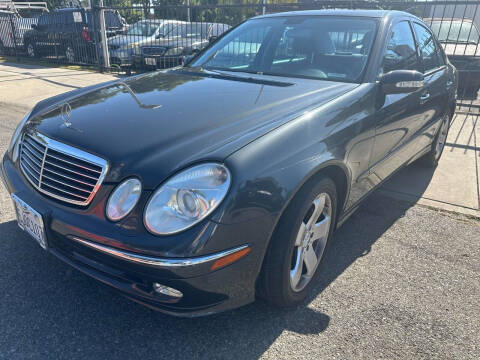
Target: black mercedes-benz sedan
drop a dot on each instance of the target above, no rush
(196, 189)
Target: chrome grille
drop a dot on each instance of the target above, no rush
(153, 50)
(61, 171)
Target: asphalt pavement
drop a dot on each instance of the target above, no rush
(400, 281)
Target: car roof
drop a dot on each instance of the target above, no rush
(70, 9)
(340, 12)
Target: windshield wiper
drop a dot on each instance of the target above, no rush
(235, 70)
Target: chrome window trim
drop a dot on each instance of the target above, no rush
(154, 261)
(69, 151)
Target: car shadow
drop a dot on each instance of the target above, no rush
(49, 309)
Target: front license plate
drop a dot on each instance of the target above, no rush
(30, 220)
(150, 61)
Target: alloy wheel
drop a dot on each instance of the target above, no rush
(30, 50)
(70, 54)
(310, 242)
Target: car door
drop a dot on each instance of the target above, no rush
(434, 98)
(398, 115)
(40, 37)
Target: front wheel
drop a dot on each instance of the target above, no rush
(70, 54)
(298, 247)
(31, 51)
(433, 156)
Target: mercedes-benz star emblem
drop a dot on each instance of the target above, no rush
(66, 114)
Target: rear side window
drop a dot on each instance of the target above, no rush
(401, 52)
(427, 47)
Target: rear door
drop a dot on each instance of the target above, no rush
(434, 98)
(399, 115)
(41, 33)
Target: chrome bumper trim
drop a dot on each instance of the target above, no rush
(157, 262)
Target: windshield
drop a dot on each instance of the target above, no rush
(327, 47)
(142, 29)
(455, 31)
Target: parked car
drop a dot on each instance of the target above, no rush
(193, 190)
(184, 40)
(15, 20)
(121, 47)
(460, 38)
(69, 33)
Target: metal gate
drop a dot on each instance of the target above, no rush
(142, 35)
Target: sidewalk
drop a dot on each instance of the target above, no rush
(453, 186)
(23, 85)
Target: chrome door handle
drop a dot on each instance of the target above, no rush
(449, 83)
(424, 97)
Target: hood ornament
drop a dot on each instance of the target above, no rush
(66, 112)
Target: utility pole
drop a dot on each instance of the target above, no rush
(188, 10)
(103, 36)
(264, 7)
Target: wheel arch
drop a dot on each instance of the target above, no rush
(338, 172)
(340, 175)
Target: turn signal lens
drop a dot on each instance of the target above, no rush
(229, 259)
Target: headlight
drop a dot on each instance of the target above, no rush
(175, 51)
(13, 147)
(123, 199)
(187, 198)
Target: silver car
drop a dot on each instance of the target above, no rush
(121, 47)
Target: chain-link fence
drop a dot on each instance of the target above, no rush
(142, 35)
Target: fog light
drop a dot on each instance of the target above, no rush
(168, 291)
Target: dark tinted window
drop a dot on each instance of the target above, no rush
(401, 53)
(431, 56)
(44, 19)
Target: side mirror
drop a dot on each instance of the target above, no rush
(401, 81)
(212, 39)
(159, 36)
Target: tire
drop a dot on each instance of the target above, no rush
(280, 283)
(31, 50)
(433, 156)
(70, 55)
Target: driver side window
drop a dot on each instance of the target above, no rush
(401, 53)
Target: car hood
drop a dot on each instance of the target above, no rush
(155, 124)
(121, 40)
(175, 42)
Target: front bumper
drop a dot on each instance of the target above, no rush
(133, 273)
(120, 57)
(161, 61)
